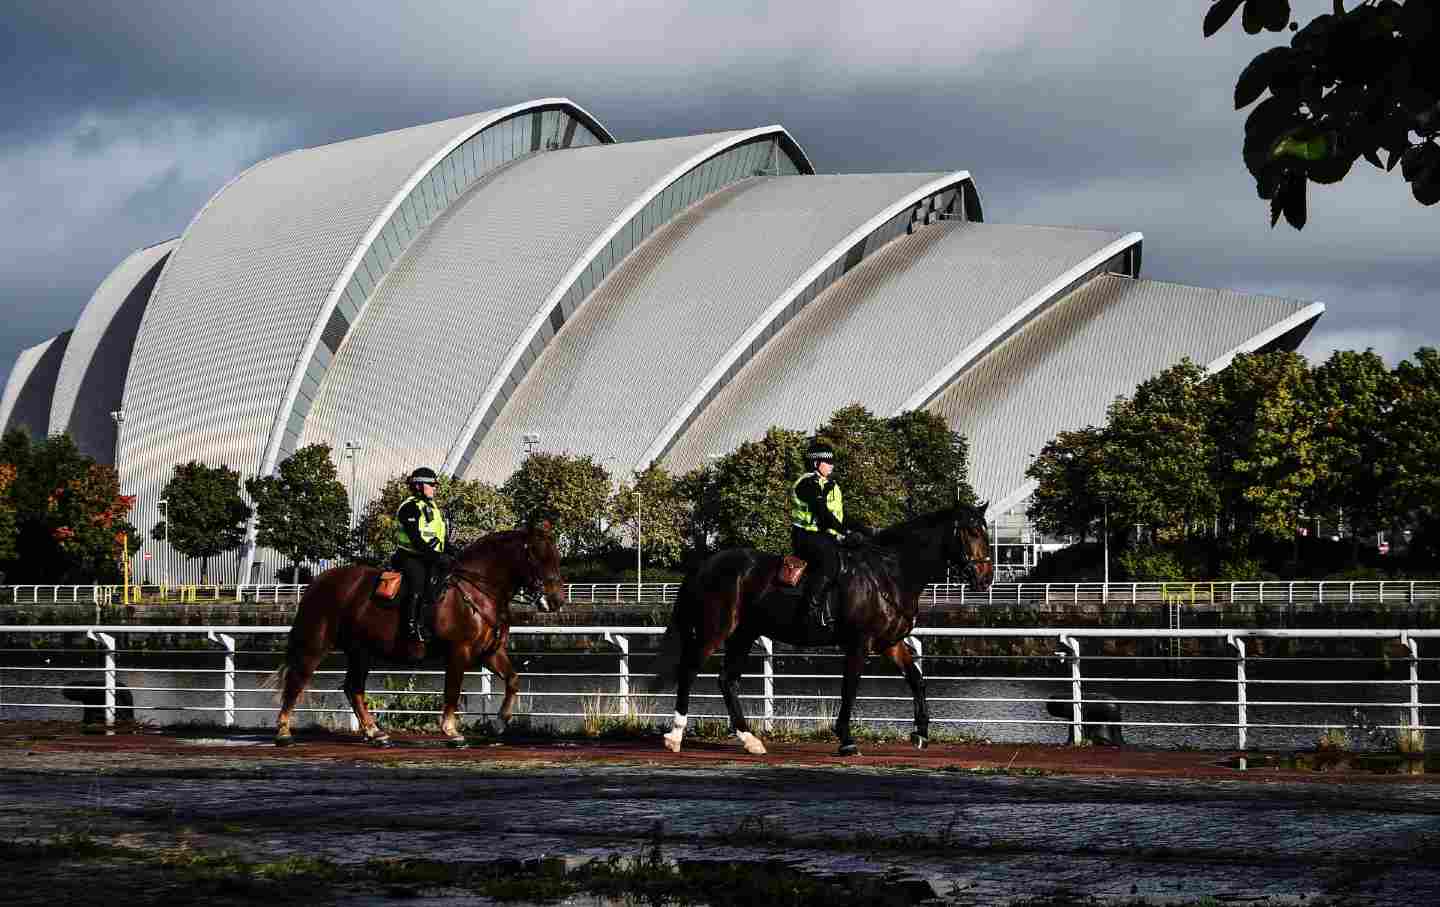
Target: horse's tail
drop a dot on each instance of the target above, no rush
(678, 631)
(275, 680)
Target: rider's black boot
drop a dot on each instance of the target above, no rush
(817, 607)
(413, 632)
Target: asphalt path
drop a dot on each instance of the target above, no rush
(977, 825)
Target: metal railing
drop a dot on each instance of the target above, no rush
(1077, 647)
(1199, 594)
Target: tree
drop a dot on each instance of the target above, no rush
(1354, 400)
(1157, 466)
(932, 463)
(747, 497)
(1065, 500)
(1350, 84)
(1415, 436)
(65, 512)
(867, 464)
(472, 508)
(302, 511)
(659, 515)
(572, 492)
(1264, 430)
(204, 514)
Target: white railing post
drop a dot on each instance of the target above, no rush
(623, 644)
(769, 680)
(1413, 645)
(1240, 710)
(485, 690)
(1077, 714)
(228, 641)
(107, 642)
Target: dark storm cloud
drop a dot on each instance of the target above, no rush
(124, 118)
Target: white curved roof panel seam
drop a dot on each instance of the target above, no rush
(679, 301)
(91, 382)
(440, 197)
(31, 385)
(1017, 317)
(588, 271)
(1062, 369)
(844, 255)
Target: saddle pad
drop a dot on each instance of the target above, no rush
(792, 569)
(388, 586)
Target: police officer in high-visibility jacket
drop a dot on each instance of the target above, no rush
(817, 517)
(421, 554)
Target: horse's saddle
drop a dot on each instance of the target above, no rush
(389, 586)
(792, 570)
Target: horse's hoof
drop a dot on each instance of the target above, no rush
(920, 740)
(848, 749)
(381, 741)
(673, 741)
(284, 740)
(457, 743)
(752, 744)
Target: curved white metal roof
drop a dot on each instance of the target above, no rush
(91, 383)
(893, 323)
(31, 386)
(1062, 370)
(230, 333)
(651, 333)
(495, 274)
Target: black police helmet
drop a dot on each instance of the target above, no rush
(423, 476)
(820, 452)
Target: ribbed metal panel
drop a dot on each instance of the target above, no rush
(232, 312)
(439, 328)
(91, 383)
(1062, 370)
(888, 327)
(31, 386)
(617, 371)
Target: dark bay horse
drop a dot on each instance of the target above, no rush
(472, 621)
(734, 598)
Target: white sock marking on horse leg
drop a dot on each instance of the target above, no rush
(677, 733)
(752, 744)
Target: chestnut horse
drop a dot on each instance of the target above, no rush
(734, 598)
(472, 620)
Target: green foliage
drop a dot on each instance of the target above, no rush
(303, 511)
(746, 495)
(655, 505)
(1067, 499)
(1263, 428)
(205, 515)
(1153, 564)
(61, 513)
(572, 492)
(1350, 84)
(932, 463)
(473, 509)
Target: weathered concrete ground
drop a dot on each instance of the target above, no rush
(977, 837)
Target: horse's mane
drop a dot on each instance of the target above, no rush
(900, 533)
(487, 543)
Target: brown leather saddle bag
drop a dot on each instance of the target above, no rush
(388, 586)
(792, 570)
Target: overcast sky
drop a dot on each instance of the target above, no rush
(119, 120)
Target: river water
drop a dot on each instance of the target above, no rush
(1001, 699)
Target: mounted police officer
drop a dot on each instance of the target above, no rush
(422, 555)
(818, 524)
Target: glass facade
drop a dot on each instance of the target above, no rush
(524, 133)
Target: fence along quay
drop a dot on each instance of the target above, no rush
(229, 692)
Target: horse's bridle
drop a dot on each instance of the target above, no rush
(969, 565)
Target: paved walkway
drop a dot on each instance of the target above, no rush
(975, 838)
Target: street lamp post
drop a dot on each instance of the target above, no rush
(163, 503)
(531, 441)
(637, 535)
(352, 453)
(118, 417)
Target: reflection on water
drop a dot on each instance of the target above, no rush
(1000, 699)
